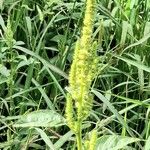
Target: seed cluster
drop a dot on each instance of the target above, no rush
(82, 73)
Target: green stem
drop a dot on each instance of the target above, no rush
(79, 135)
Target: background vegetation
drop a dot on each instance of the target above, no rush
(37, 40)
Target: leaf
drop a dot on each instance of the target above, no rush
(45, 138)
(124, 32)
(27, 7)
(133, 3)
(40, 118)
(41, 16)
(46, 98)
(63, 139)
(29, 25)
(50, 2)
(2, 24)
(45, 63)
(147, 144)
(141, 41)
(4, 71)
(113, 110)
(8, 144)
(134, 63)
(57, 38)
(114, 142)
(147, 28)
(22, 63)
(47, 66)
(25, 62)
(1, 4)
(108, 96)
(19, 43)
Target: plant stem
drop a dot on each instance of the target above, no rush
(79, 135)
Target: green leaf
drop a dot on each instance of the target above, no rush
(45, 138)
(108, 97)
(2, 24)
(46, 98)
(63, 139)
(147, 144)
(47, 66)
(114, 142)
(40, 118)
(137, 64)
(113, 110)
(45, 63)
(40, 13)
(124, 32)
(141, 41)
(8, 143)
(29, 25)
(1, 4)
(4, 71)
(50, 2)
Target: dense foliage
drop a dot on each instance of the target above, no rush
(37, 42)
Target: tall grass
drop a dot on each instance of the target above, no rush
(37, 42)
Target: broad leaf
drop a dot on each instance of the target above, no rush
(115, 142)
(41, 118)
